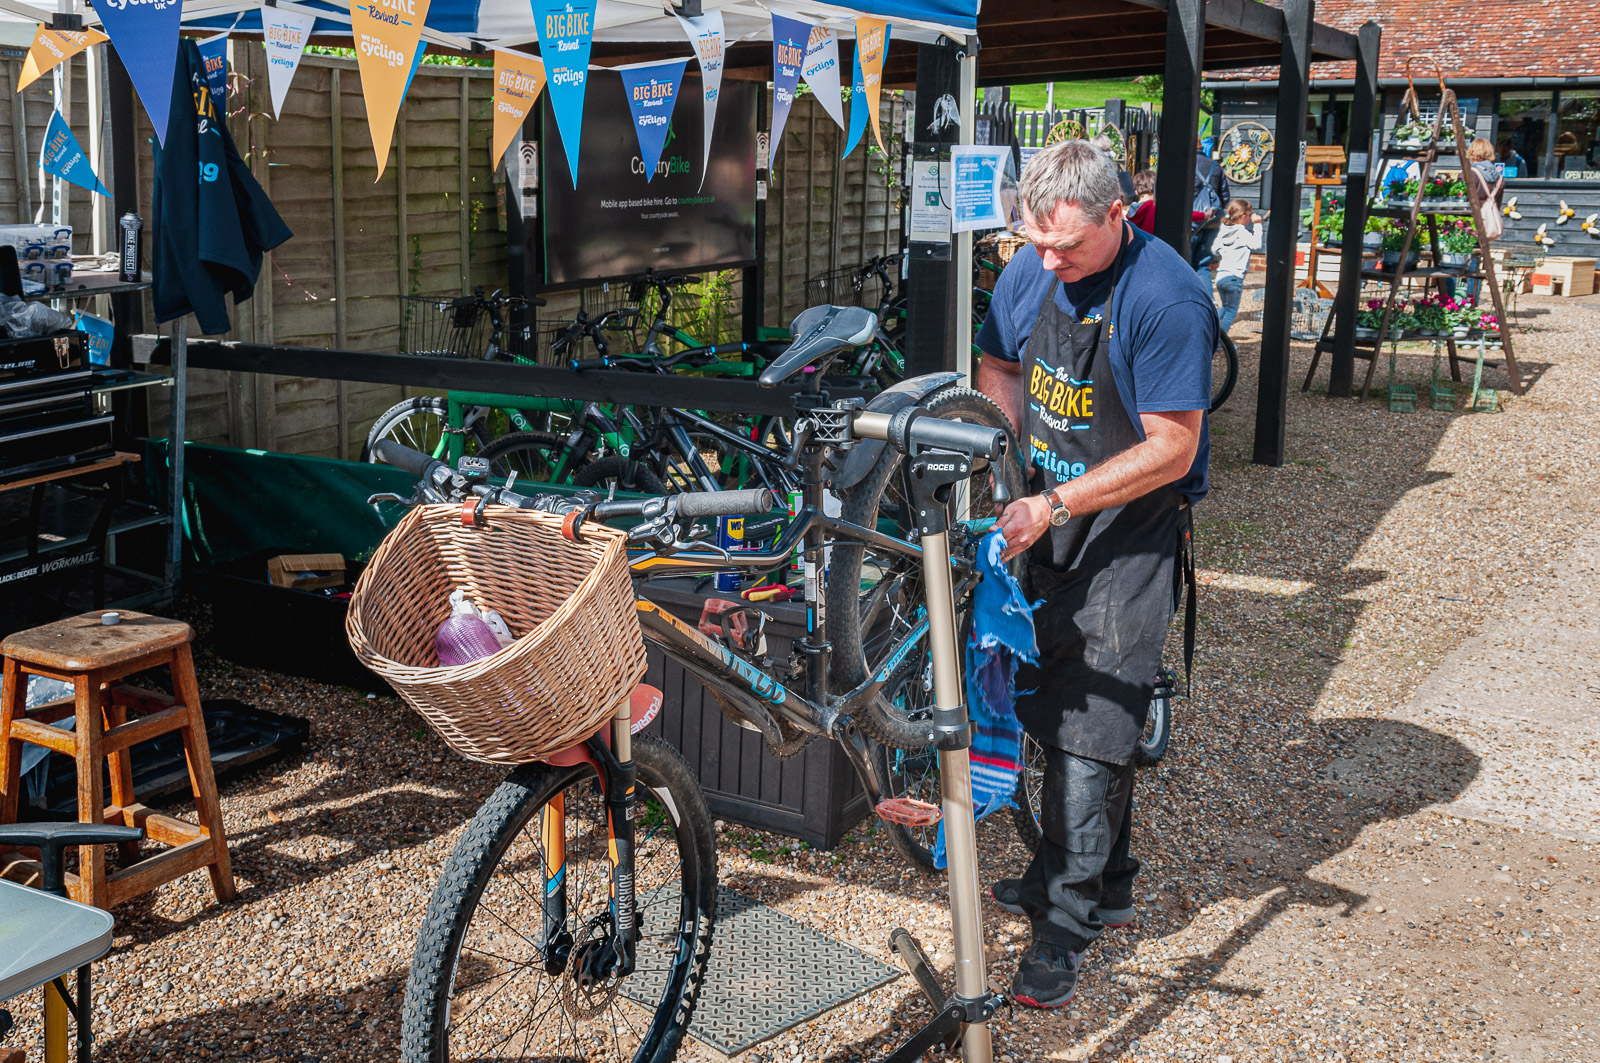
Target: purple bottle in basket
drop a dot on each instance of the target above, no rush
(463, 637)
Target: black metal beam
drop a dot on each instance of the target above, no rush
(644, 389)
(755, 278)
(1180, 120)
(930, 269)
(1363, 109)
(1272, 396)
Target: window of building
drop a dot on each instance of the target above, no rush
(1577, 143)
(1523, 132)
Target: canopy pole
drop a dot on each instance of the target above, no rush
(1180, 122)
(1363, 108)
(968, 94)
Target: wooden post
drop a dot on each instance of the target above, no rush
(1363, 109)
(340, 318)
(464, 178)
(931, 271)
(754, 286)
(1180, 120)
(1294, 79)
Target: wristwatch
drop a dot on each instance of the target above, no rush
(1059, 513)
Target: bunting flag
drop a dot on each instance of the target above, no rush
(705, 33)
(652, 92)
(518, 80)
(145, 35)
(566, 32)
(61, 155)
(789, 39)
(386, 34)
(821, 71)
(51, 48)
(416, 61)
(286, 34)
(214, 55)
(872, 43)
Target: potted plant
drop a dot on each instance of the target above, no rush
(1404, 193)
(1457, 245)
(1436, 194)
(1430, 315)
(1411, 136)
(1401, 323)
(1372, 239)
(1491, 328)
(1369, 319)
(1462, 314)
(1394, 239)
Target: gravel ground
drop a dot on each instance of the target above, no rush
(1313, 890)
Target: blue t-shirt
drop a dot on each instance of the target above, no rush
(1161, 342)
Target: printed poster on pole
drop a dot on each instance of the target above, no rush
(386, 34)
(979, 175)
(821, 71)
(51, 48)
(705, 33)
(872, 43)
(789, 39)
(285, 34)
(518, 80)
(566, 34)
(145, 35)
(61, 155)
(652, 93)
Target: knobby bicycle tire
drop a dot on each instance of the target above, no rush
(533, 456)
(864, 623)
(418, 423)
(1221, 389)
(627, 474)
(441, 1015)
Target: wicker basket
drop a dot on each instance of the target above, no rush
(1004, 245)
(578, 652)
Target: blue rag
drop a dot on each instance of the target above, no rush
(1002, 636)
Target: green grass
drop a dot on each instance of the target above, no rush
(1073, 94)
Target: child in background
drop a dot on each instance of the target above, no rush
(1143, 211)
(1240, 234)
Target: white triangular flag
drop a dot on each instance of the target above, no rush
(285, 34)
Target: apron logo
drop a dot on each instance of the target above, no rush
(1047, 460)
(1064, 398)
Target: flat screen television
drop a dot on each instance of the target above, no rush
(616, 224)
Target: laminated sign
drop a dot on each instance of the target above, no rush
(145, 35)
(821, 71)
(872, 43)
(51, 48)
(789, 39)
(518, 80)
(285, 34)
(566, 32)
(62, 156)
(652, 92)
(705, 33)
(386, 34)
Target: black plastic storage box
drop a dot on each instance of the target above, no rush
(814, 796)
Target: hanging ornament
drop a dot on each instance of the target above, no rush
(1589, 225)
(1510, 209)
(1541, 237)
(1563, 212)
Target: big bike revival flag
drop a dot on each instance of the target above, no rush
(821, 71)
(51, 48)
(566, 32)
(705, 33)
(214, 56)
(386, 34)
(145, 35)
(872, 43)
(60, 154)
(518, 80)
(652, 91)
(285, 34)
(789, 38)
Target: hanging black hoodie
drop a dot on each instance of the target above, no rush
(212, 222)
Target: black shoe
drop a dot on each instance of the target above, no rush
(1113, 913)
(1046, 977)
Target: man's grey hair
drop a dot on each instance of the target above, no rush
(1075, 172)
(1103, 142)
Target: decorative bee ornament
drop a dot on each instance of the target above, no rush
(1541, 237)
(1510, 209)
(1563, 212)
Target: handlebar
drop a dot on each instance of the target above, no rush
(725, 503)
(414, 462)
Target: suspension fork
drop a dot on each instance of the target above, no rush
(553, 834)
(620, 778)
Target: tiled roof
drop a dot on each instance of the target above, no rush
(1469, 38)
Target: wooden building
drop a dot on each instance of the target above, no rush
(1527, 75)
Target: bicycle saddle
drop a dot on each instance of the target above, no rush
(820, 333)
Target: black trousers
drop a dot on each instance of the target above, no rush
(1083, 861)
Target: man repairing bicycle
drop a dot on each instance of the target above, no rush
(1098, 346)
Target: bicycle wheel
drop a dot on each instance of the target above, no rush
(1151, 748)
(483, 984)
(911, 773)
(1224, 370)
(625, 474)
(533, 456)
(874, 598)
(419, 424)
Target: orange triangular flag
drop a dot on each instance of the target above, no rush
(518, 80)
(51, 48)
(385, 34)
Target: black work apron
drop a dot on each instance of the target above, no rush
(1106, 578)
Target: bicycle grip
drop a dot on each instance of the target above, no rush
(403, 457)
(725, 503)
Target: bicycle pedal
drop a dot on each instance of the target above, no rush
(909, 812)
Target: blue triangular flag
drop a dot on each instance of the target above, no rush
(789, 37)
(566, 34)
(416, 61)
(858, 104)
(214, 56)
(145, 36)
(60, 155)
(652, 92)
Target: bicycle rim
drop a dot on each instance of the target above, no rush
(533, 456)
(419, 424)
(479, 986)
(1224, 371)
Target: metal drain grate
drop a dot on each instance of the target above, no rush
(768, 974)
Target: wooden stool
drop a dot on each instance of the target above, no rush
(92, 656)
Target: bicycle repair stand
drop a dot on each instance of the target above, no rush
(929, 478)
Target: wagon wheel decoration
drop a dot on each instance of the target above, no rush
(1247, 150)
(1119, 148)
(1066, 129)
